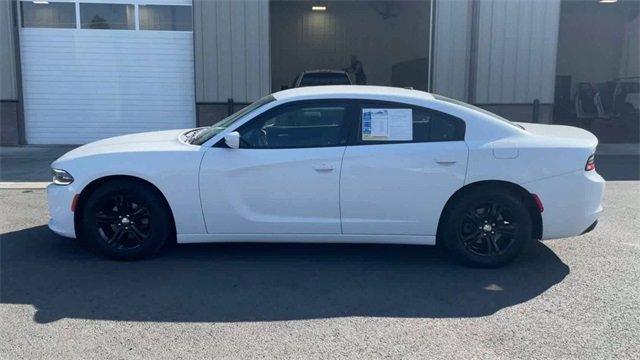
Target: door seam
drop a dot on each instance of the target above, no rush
(340, 189)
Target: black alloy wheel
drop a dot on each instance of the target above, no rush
(487, 226)
(125, 219)
(488, 230)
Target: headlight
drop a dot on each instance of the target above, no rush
(61, 177)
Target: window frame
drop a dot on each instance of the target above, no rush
(350, 107)
(77, 24)
(21, 12)
(356, 129)
(130, 27)
(139, 16)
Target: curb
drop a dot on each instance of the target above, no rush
(15, 185)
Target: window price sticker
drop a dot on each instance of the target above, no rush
(387, 125)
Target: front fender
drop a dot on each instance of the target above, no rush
(174, 174)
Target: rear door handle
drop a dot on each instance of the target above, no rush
(324, 167)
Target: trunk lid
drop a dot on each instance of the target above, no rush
(568, 135)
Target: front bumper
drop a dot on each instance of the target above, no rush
(572, 202)
(59, 200)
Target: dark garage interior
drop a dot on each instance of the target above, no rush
(597, 70)
(390, 39)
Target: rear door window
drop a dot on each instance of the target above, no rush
(387, 122)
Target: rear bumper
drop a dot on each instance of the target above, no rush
(59, 199)
(590, 228)
(572, 203)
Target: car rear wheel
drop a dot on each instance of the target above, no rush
(487, 228)
(126, 220)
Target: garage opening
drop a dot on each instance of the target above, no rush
(597, 72)
(372, 42)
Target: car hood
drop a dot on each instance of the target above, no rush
(166, 140)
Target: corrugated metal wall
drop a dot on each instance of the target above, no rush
(232, 57)
(516, 50)
(452, 43)
(8, 88)
(517, 46)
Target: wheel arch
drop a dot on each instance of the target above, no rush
(526, 196)
(96, 183)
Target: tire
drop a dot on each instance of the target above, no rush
(126, 220)
(488, 227)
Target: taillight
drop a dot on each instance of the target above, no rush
(591, 163)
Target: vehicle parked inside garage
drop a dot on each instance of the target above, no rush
(321, 77)
(357, 164)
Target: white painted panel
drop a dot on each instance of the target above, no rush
(84, 85)
(517, 45)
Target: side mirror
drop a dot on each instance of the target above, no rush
(232, 140)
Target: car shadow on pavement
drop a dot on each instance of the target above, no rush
(261, 282)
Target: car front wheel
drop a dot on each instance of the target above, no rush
(126, 220)
(487, 228)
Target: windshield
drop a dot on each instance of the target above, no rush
(469, 106)
(207, 133)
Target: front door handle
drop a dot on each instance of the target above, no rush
(324, 167)
(446, 161)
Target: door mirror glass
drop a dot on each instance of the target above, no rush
(232, 140)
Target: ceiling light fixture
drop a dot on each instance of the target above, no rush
(319, 8)
(607, 1)
(40, 2)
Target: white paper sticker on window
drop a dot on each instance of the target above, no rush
(387, 125)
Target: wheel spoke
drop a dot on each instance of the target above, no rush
(103, 218)
(469, 239)
(116, 238)
(474, 218)
(140, 212)
(122, 203)
(119, 202)
(139, 235)
(495, 211)
(491, 245)
(494, 243)
(508, 229)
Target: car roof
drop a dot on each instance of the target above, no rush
(351, 91)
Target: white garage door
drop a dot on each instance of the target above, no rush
(95, 69)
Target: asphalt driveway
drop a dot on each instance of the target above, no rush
(570, 298)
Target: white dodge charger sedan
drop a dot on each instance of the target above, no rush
(354, 164)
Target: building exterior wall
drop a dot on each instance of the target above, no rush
(10, 113)
(501, 53)
(514, 59)
(8, 85)
(232, 57)
(517, 45)
(452, 41)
